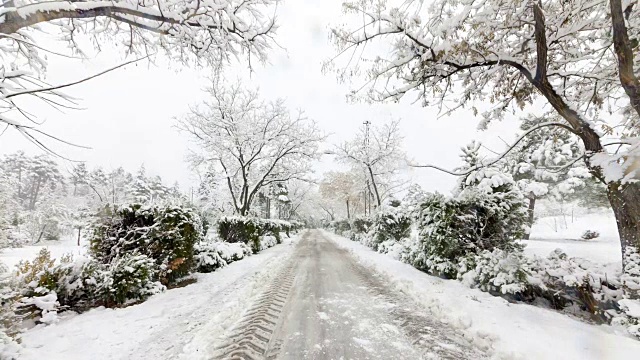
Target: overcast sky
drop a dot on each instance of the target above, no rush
(129, 114)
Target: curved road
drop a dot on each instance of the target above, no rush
(326, 306)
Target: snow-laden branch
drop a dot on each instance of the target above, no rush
(499, 157)
(53, 89)
(206, 32)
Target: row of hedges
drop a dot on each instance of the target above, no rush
(472, 237)
(135, 251)
(250, 230)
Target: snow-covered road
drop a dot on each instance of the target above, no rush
(326, 306)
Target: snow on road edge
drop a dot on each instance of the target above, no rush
(183, 323)
(511, 331)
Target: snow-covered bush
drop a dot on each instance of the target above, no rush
(250, 231)
(268, 241)
(47, 286)
(360, 225)
(35, 283)
(389, 223)
(211, 255)
(9, 320)
(495, 271)
(451, 229)
(164, 233)
(77, 282)
(340, 226)
(129, 278)
(631, 310)
(589, 234)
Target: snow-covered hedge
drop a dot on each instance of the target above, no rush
(342, 227)
(389, 223)
(211, 255)
(166, 234)
(452, 229)
(250, 230)
(130, 277)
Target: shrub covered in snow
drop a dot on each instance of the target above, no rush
(46, 286)
(129, 277)
(211, 255)
(451, 229)
(9, 320)
(340, 226)
(166, 234)
(389, 223)
(589, 234)
(360, 225)
(250, 231)
(34, 286)
(631, 319)
(496, 271)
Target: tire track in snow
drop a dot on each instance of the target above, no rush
(251, 338)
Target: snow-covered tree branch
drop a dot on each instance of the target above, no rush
(208, 32)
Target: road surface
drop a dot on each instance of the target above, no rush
(323, 305)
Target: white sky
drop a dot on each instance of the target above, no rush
(129, 114)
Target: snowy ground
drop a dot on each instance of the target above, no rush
(511, 331)
(564, 232)
(181, 323)
(12, 256)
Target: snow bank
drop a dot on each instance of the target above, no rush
(181, 323)
(512, 331)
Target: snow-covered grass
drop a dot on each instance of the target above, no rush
(552, 232)
(181, 323)
(12, 256)
(511, 331)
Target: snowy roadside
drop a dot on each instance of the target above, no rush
(182, 323)
(512, 331)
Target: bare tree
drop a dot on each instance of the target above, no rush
(204, 31)
(298, 193)
(578, 56)
(377, 152)
(343, 187)
(254, 143)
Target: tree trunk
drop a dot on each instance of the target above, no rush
(79, 236)
(348, 216)
(375, 187)
(530, 212)
(625, 201)
(34, 195)
(44, 227)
